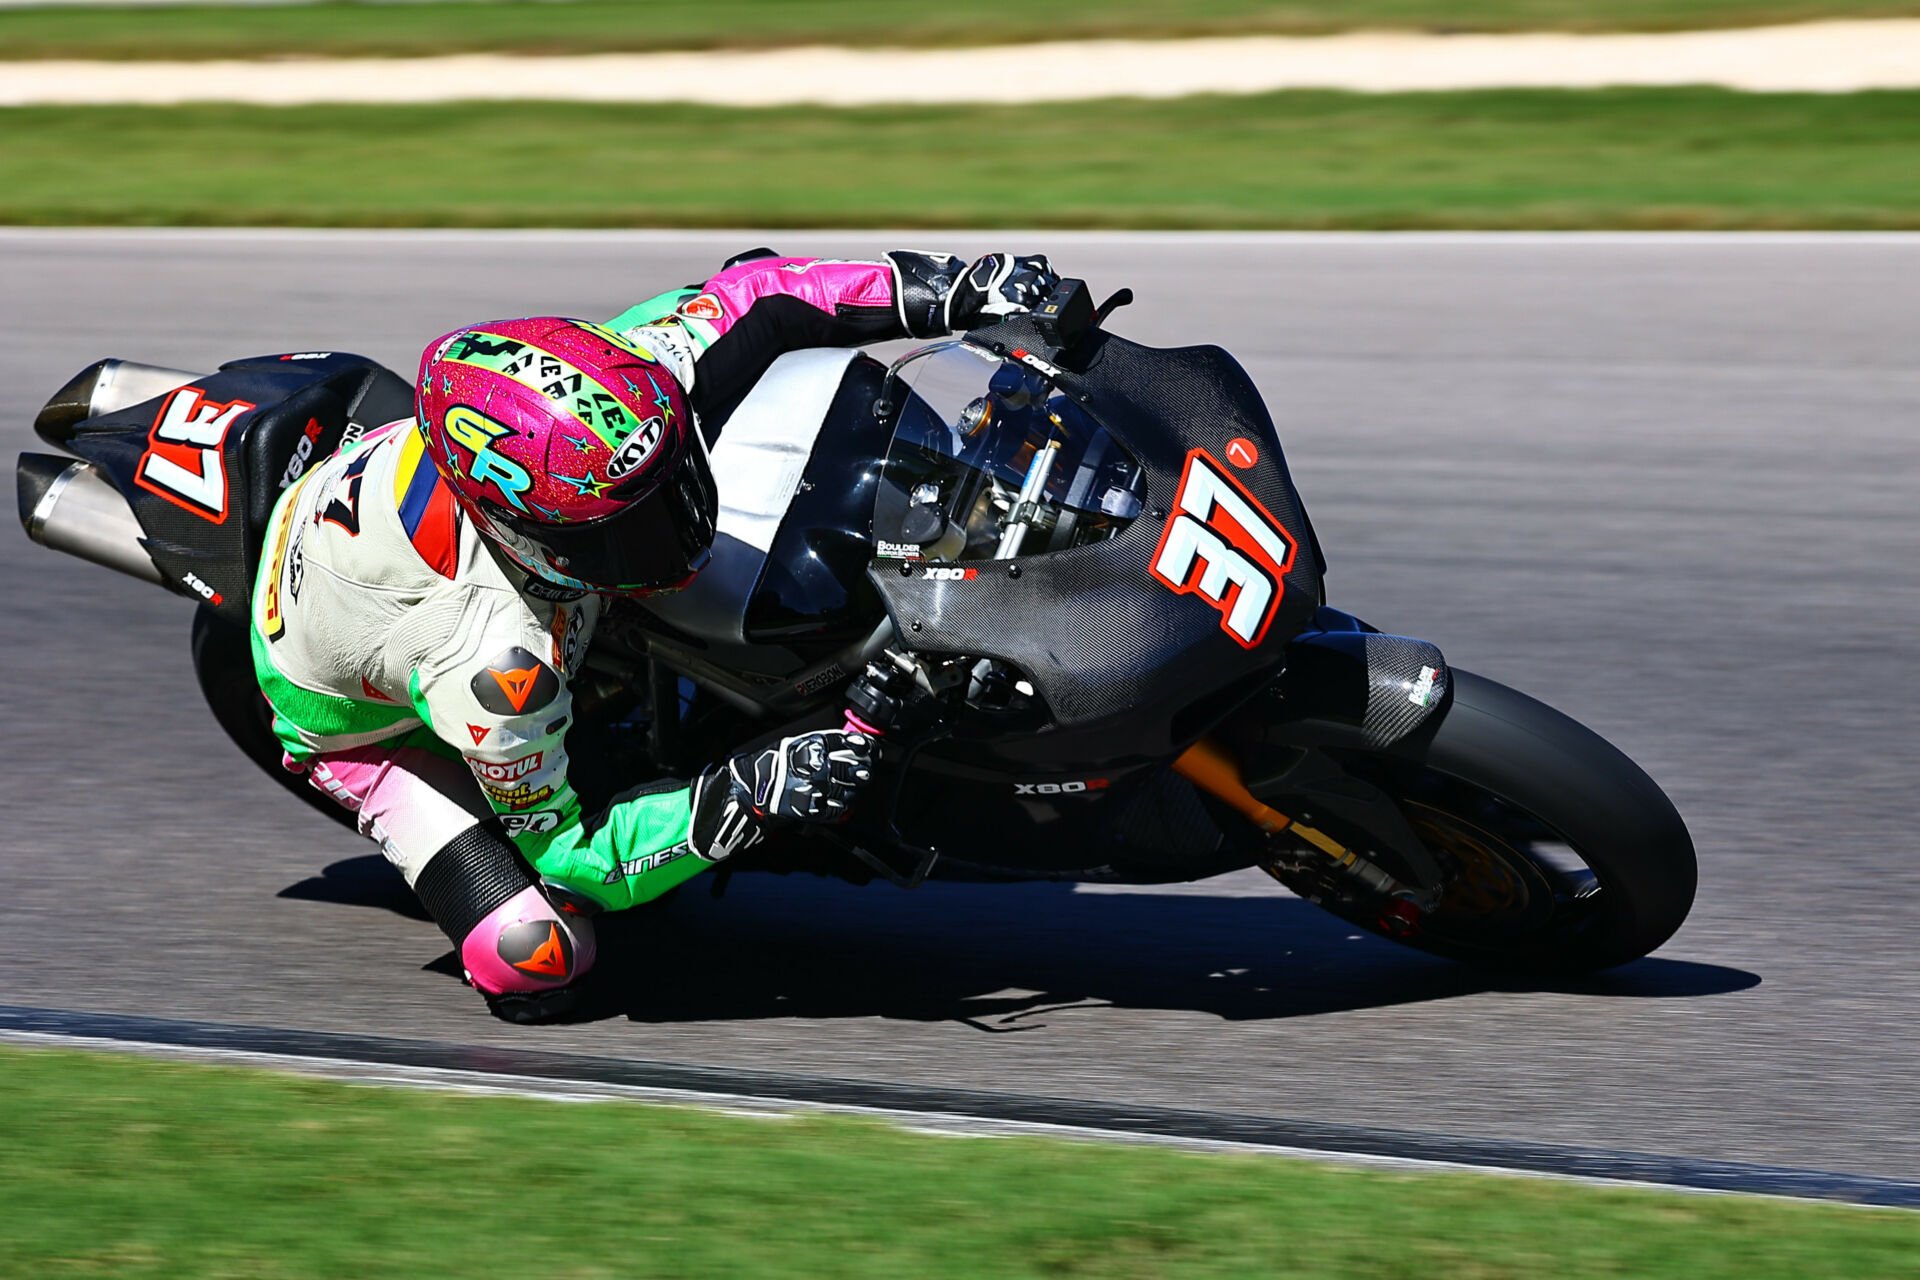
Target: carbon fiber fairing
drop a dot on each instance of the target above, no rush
(1348, 684)
(1406, 680)
(1115, 651)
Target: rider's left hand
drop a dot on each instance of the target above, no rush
(810, 777)
(997, 286)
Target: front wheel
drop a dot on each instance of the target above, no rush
(1557, 852)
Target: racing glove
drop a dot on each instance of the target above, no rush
(999, 285)
(810, 777)
(939, 293)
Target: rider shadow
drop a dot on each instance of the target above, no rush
(1000, 958)
(369, 881)
(1007, 958)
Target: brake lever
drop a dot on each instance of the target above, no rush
(1120, 298)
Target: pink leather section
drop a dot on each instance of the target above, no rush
(552, 951)
(824, 282)
(412, 801)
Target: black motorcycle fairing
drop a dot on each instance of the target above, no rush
(1029, 797)
(993, 819)
(814, 594)
(299, 408)
(1129, 669)
(769, 630)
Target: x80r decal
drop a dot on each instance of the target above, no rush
(1223, 546)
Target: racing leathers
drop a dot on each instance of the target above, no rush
(421, 678)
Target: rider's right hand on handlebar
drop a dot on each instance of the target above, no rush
(810, 777)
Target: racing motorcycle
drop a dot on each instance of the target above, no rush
(1066, 576)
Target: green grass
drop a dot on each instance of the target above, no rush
(602, 25)
(1658, 158)
(127, 1168)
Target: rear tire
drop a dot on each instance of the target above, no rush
(1501, 779)
(223, 661)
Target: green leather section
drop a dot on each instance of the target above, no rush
(636, 853)
(653, 310)
(297, 710)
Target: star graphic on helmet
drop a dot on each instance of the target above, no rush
(585, 485)
(551, 514)
(446, 384)
(580, 443)
(661, 401)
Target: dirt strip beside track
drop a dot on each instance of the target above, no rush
(1811, 57)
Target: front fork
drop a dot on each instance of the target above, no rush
(1210, 767)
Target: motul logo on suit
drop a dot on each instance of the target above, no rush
(507, 771)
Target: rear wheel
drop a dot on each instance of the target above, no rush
(1557, 852)
(223, 661)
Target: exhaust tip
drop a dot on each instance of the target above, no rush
(105, 386)
(69, 505)
(70, 406)
(33, 480)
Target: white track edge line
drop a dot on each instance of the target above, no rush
(936, 1123)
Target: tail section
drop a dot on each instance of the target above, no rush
(178, 472)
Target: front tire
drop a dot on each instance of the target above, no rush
(1561, 854)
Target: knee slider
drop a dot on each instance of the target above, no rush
(527, 945)
(510, 937)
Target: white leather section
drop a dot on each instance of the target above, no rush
(766, 443)
(757, 464)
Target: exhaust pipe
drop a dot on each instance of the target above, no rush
(70, 506)
(103, 387)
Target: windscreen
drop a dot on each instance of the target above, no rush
(990, 461)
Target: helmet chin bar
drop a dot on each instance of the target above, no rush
(693, 571)
(524, 552)
(527, 554)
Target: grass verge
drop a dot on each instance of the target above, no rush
(596, 26)
(1654, 158)
(129, 1168)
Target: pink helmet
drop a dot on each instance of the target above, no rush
(573, 450)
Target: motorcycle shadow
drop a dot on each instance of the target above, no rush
(1003, 958)
(1010, 958)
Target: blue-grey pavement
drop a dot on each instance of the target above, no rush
(1670, 485)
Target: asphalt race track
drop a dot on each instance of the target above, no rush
(1670, 485)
